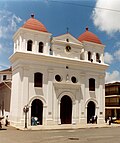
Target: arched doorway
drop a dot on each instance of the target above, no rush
(90, 111)
(37, 110)
(66, 110)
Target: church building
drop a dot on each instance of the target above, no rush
(60, 80)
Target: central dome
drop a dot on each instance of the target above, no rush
(89, 36)
(34, 24)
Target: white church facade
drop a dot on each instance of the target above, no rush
(61, 80)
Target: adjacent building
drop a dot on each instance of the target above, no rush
(61, 80)
(5, 91)
(112, 100)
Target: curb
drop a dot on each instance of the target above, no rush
(73, 127)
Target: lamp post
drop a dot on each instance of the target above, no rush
(25, 110)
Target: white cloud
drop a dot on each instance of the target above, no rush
(117, 55)
(108, 58)
(112, 77)
(107, 20)
(1, 67)
(117, 44)
(3, 32)
(8, 23)
(0, 48)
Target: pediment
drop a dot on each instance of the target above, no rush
(65, 37)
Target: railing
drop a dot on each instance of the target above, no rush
(112, 104)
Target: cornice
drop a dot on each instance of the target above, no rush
(55, 60)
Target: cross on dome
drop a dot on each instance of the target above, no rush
(32, 15)
(87, 28)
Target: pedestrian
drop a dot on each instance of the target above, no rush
(6, 121)
(36, 119)
(109, 120)
(92, 119)
(1, 122)
(96, 119)
(106, 120)
(0, 125)
(33, 121)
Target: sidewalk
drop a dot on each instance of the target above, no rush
(68, 126)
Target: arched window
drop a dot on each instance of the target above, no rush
(91, 84)
(97, 57)
(89, 56)
(38, 79)
(29, 45)
(41, 45)
(90, 111)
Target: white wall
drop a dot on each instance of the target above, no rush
(26, 63)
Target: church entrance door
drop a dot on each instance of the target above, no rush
(37, 111)
(90, 111)
(66, 110)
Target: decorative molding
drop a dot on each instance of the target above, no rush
(66, 85)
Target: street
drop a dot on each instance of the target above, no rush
(91, 135)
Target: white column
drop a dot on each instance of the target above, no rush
(29, 116)
(24, 94)
(86, 56)
(59, 120)
(101, 99)
(74, 113)
(17, 45)
(46, 48)
(25, 83)
(44, 115)
(93, 56)
(50, 97)
(36, 47)
(20, 43)
(24, 45)
(102, 58)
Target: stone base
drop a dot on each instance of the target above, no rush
(101, 121)
(83, 121)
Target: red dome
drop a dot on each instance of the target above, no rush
(89, 36)
(34, 24)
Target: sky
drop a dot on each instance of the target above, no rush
(101, 16)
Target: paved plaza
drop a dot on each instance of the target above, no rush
(84, 135)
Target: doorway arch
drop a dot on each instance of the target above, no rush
(66, 110)
(90, 110)
(37, 110)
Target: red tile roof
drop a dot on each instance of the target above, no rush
(34, 24)
(9, 70)
(89, 36)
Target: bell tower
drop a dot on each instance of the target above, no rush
(32, 37)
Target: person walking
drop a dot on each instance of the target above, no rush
(33, 121)
(109, 120)
(1, 122)
(6, 121)
(0, 125)
(96, 119)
